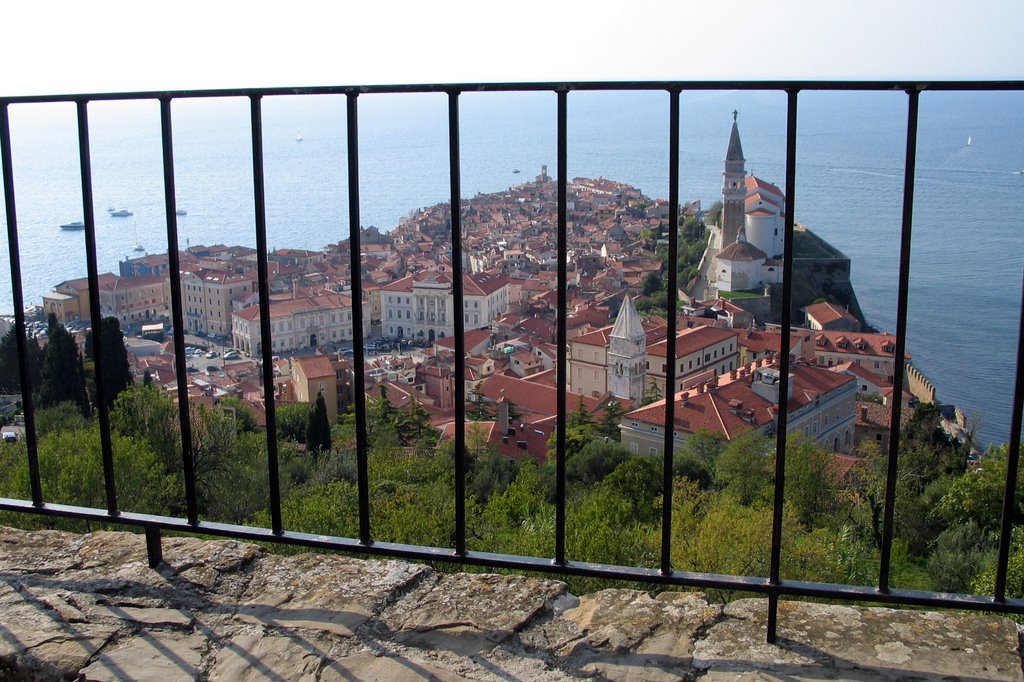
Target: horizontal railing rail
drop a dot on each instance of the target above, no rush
(772, 585)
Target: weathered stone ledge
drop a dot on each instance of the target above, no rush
(88, 607)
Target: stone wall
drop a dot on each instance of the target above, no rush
(918, 385)
(88, 607)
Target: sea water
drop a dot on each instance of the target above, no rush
(966, 268)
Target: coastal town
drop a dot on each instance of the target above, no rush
(726, 349)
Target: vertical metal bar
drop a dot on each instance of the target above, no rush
(459, 320)
(154, 550)
(358, 356)
(18, 300)
(784, 364)
(265, 336)
(1012, 463)
(899, 356)
(671, 304)
(561, 370)
(100, 399)
(177, 314)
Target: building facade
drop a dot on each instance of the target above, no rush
(297, 323)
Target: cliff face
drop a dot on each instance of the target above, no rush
(89, 607)
(820, 271)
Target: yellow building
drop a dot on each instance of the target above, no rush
(315, 375)
(208, 295)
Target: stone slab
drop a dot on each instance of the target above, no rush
(168, 657)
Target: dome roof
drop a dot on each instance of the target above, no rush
(741, 251)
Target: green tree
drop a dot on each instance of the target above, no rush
(117, 374)
(245, 418)
(652, 284)
(318, 427)
(579, 430)
(976, 496)
(958, 557)
(10, 374)
(479, 409)
(745, 468)
(66, 416)
(414, 425)
(490, 474)
(638, 482)
(71, 471)
(608, 424)
(291, 421)
(696, 459)
(810, 487)
(382, 419)
(596, 460)
(150, 415)
(62, 375)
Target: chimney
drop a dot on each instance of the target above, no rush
(502, 417)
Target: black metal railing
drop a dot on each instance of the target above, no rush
(773, 585)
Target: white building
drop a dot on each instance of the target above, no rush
(742, 266)
(297, 323)
(421, 306)
(821, 406)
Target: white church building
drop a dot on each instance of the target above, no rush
(752, 225)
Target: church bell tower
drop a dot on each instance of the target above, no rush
(627, 354)
(734, 187)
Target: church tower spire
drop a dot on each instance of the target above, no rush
(627, 354)
(734, 186)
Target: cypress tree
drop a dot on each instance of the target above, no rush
(62, 378)
(117, 374)
(10, 372)
(318, 428)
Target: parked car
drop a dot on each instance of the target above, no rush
(210, 369)
(232, 354)
(212, 354)
(9, 437)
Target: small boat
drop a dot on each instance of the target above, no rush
(515, 170)
(77, 225)
(139, 247)
(119, 212)
(968, 140)
(298, 138)
(181, 211)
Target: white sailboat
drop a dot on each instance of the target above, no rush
(298, 138)
(968, 140)
(138, 246)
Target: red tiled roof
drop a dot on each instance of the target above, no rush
(694, 339)
(825, 313)
(314, 366)
(873, 344)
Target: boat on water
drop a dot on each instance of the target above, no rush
(968, 140)
(119, 212)
(515, 170)
(138, 247)
(298, 138)
(181, 211)
(77, 225)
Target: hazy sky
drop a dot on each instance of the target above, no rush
(103, 45)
